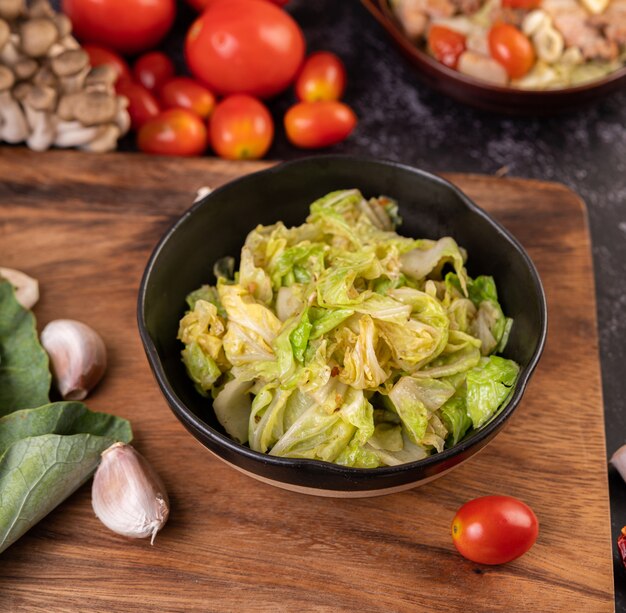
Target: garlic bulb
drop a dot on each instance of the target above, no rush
(26, 288)
(77, 356)
(127, 496)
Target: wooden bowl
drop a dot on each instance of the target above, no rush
(218, 225)
(507, 100)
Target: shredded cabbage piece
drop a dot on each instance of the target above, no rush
(342, 341)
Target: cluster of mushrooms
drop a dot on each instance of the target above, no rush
(49, 94)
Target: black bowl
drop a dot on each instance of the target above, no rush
(217, 226)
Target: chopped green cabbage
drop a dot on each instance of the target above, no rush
(340, 340)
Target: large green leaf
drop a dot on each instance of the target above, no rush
(24, 373)
(61, 418)
(38, 473)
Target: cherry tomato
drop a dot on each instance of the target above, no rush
(153, 69)
(99, 56)
(446, 44)
(173, 132)
(494, 529)
(323, 77)
(241, 128)
(142, 105)
(521, 4)
(201, 5)
(185, 93)
(512, 49)
(311, 125)
(127, 26)
(245, 47)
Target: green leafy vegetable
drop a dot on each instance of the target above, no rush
(69, 417)
(340, 340)
(24, 374)
(40, 472)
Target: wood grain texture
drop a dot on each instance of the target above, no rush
(85, 226)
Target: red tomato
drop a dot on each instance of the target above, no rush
(446, 44)
(201, 5)
(127, 26)
(241, 128)
(521, 4)
(323, 77)
(142, 105)
(173, 132)
(153, 69)
(99, 56)
(494, 529)
(311, 125)
(512, 49)
(185, 93)
(245, 47)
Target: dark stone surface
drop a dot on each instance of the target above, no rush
(401, 119)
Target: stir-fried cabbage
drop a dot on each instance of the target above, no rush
(340, 340)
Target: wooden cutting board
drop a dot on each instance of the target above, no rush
(85, 226)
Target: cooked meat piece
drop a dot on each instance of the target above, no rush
(506, 15)
(578, 30)
(613, 22)
(414, 14)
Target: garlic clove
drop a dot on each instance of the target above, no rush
(127, 495)
(77, 357)
(26, 288)
(618, 459)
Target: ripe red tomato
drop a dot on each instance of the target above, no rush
(512, 49)
(153, 69)
(185, 93)
(323, 77)
(127, 26)
(142, 105)
(173, 132)
(446, 44)
(494, 529)
(241, 128)
(311, 125)
(245, 47)
(99, 56)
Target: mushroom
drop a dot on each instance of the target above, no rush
(65, 108)
(74, 134)
(37, 36)
(71, 67)
(45, 77)
(21, 90)
(40, 8)
(101, 78)
(11, 9)
(14, 128)
(5, 32)
(63, 24)
(122, 117)
(105, 139)
(39, 105)
(25, 68)
(95, 108)
(10, 53)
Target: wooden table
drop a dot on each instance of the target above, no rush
(85, 225)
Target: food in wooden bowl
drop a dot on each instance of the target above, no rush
(396, 337)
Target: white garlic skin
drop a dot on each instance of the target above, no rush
(127, 495)
(26, 288)
(77, 357)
